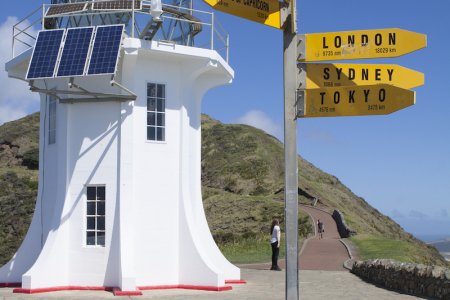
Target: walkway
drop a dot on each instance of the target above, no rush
(327, 254)
(261, 285)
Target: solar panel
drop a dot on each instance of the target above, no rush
(45, 54)
(66, 8)
(75, 52)
(117, 5)
(105, 52)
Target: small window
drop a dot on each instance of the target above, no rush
(156, 112)
(51, 120)
(95, 215)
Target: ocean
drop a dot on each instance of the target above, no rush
(443, 248)
(428, 238)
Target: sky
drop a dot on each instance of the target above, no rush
(399, 163)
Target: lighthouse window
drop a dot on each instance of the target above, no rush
(51, 120)
(95, 216)
(156, 112)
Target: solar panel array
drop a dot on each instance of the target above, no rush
(104, 53)
(45, 54)
(117, 5)
(77, 53)
(66, 8)
(76, 48)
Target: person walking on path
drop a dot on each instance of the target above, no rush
(320, 228)
(275, 231)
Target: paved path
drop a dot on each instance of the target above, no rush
(261, 285)
(328, 253)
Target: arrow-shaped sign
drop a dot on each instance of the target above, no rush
(379, 99)
(315, 76)
(266, 12)
(378, 43)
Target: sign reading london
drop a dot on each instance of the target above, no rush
(379, 43)
(381, 99)
(266, 12)
(336, 75)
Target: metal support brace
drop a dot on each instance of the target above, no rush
(301, 47)
(301, 87)
(301, 76)
(300, 104)
(113, 82)
(89, 95)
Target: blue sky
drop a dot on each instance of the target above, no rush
(400, 163)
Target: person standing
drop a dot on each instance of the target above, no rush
(275, 243)
(320, 228)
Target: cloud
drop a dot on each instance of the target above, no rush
(16, 100)
(259, 119)
(417, 214)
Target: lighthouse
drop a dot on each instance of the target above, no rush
(119, 204)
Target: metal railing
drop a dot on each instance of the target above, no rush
(180, 25)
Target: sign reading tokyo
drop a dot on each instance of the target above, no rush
(336, 75)
(379, 43)
(266, 12)
(379, 99)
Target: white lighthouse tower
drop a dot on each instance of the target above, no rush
(119, 205)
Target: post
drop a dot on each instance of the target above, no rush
(228, 48)
(132, 20)
(212, 31)
(43, 17)
(13, 40)
(290, 152)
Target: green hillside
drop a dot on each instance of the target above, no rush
(247, 162)
(242, 178)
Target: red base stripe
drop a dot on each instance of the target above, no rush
(235, 281)
(187, 287)
(62, 288)
(118, 292)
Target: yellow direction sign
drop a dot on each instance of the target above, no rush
(379, 99)
(336, 75)
(378, 43)
(266, 12)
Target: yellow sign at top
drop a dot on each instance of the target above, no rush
(266, 12)
(378, 43)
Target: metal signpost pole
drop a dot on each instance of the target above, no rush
(290, 152)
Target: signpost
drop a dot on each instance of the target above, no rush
(360, 44)
(328, 90)
(379, 99)
(266, 12)
(290, 152)
(337, 75)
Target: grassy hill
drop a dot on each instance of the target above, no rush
(242, 178)
(247, 162)
(19, 154)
